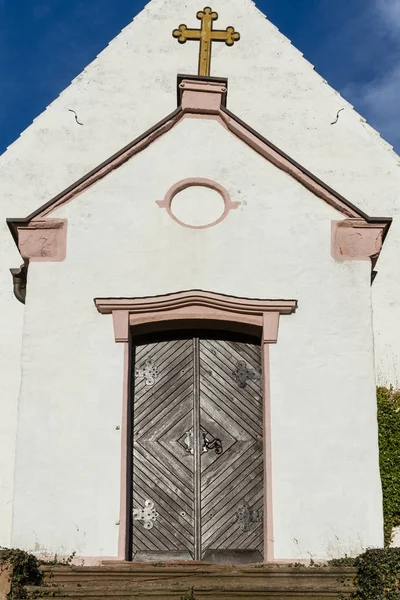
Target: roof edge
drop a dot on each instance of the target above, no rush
(353, 208)
(172, 117)
(237, 127)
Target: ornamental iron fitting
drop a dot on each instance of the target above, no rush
(149, 372)
(147, 515)
(245, 516)
(242, 374)
(214, 444)
(208, 442)
(188, 441)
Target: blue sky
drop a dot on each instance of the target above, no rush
(44, 44)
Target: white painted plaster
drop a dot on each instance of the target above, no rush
(132, 84)
(11, 321)
(276, 244)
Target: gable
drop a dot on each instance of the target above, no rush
(203, 100)
(203, 138)
(193, 149)
(130, 85)
(261, 196)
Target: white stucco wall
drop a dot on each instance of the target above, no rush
(132, 84)
(10, 360)
(326, 487)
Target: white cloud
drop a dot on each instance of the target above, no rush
(379, 99)
(389, 12)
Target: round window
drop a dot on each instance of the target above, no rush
(197, 203)
(197, 206)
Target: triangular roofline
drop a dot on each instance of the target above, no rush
(205, 96)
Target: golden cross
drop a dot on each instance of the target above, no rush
(206, 35)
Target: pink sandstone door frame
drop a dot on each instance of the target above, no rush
(200, 309)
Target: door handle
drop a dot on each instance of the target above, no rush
(189, 442)
(215, 444)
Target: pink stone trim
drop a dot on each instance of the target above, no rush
(123, 514)
(202, 307)
(118, 160)
(234, 304)
(43, 240)
(354, 239)
(197, 181)
(190, 313)
(277, 159)
(109, 561)
(202, 97)
(268, 506)
(270, 327)
(121, 325)
(81, 561)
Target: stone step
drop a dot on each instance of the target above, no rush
(130, 581)
(213, 595)
(73, 573)
(200, 585)
(311, 583)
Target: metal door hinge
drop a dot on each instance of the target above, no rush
(149, 372)
(147, 514)
(246, 516)
(243, 374)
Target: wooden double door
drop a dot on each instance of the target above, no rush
(197, 436)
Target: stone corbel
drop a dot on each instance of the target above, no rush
(43, 240)
(356, 239)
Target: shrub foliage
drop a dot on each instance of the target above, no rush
(378, 574)
(25, 571)
(389, 451)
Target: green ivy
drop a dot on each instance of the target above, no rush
(25, 571)
(378, 574)
(189, 595)
(345, 561)
(389, 451)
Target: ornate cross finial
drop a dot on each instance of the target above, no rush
(206, 35)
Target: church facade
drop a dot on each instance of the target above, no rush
(193, 340)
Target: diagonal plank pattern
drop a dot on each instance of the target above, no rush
(236, 477)
(163, 473)
(221, 381)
